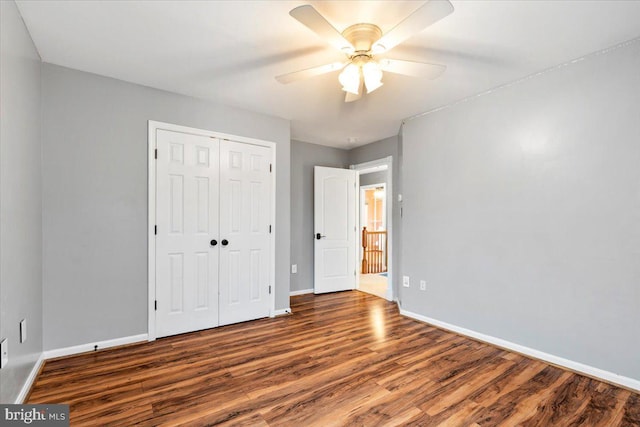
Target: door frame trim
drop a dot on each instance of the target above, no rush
(385, 163)
(153, 127)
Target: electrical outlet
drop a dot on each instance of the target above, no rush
(4, 353)
(423, 285)
(23, 330)
(294, 268)
(405, 281)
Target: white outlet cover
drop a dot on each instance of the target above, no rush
(4, 351)
(405, 281)
(294, 268)
(423, 285)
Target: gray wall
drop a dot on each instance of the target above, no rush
(20, 200)
(304, 157)
(522, 212)
(95, 198)
(374, 151)
(373, 178)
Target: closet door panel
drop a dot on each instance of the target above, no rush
(187, 184)
(245, 194)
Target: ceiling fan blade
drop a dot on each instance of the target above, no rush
(310, 17)
(412, 68)
(350, 97)
(310, 72)
(432, 11)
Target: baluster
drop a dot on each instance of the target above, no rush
(375, 259)
(386, 257)
(375, 267)
(365, 263)
(379, 267)
(380, 253)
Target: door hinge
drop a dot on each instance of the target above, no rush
(354, 272)
(269, 229)
(270, 167)
(269, 289)
(155, 305)
(155, 230)
(156, 153)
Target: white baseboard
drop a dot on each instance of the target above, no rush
(281, 312)
(30, 379)
(537, 354)
(301, 292)
(83, 348)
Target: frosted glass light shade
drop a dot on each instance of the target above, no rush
(350, 79)
(372, 76)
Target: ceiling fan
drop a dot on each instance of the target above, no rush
(363, 42)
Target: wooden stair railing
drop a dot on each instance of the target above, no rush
(374, 251)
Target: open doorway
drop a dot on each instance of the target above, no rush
(375, 228)
(373, 239)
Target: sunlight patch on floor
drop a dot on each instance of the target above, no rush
(374, 284)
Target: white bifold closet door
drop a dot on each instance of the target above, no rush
(187, 218)
(212, 242)
(245, 195)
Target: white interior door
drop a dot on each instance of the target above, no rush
(187, 222)
(245, 209)
(335, 229)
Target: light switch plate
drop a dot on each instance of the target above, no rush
(423, 285)
(294, 268)
(4, 351)
(405, 281)
(23, 330)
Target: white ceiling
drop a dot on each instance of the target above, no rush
(230, 51)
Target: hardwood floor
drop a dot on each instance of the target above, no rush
(341, 359)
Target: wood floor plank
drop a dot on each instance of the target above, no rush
(474, 380)
(509, 405)
(341, 359)
(631, 415)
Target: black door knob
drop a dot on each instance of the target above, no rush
(318, 236)
(214, 242)
(224, 242)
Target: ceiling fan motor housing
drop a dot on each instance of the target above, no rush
(362, 36)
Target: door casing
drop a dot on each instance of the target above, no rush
(372, 166)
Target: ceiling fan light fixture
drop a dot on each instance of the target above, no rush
(349, 78)
(362, 42)
(372, 76)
